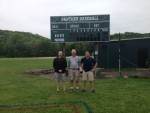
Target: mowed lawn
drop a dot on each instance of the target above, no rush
(130, 95)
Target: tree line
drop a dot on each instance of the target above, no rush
(25, 44)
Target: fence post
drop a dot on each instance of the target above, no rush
(120, 55)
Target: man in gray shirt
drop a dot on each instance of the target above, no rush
(74, 65)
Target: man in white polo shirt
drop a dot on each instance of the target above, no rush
(74, 65)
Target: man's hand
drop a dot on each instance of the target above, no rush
(83, 70)
(60, 71)
(93, 70)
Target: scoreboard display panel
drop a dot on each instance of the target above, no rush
(88, 28)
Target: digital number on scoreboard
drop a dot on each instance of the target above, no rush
(89, 28)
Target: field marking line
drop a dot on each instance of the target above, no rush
(87, 107)
(42, 107)
(75, 108)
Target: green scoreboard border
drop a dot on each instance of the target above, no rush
(61, 26)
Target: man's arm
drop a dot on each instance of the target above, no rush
(81, 64)
(69, 62)
(94, 67)
(54, 63)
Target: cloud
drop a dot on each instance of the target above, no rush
(33, 15)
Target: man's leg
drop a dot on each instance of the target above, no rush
(91, 79)
(71, 84)
(64, 86)
(84, 78)
(57, 77)
(71, 80)
(77, 80)
(91, 85)
(84, 85)
(77, 84)
(57, 89)
(63, 75)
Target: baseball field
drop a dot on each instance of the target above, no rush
(20, 93)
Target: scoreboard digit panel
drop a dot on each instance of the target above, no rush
(86, 28)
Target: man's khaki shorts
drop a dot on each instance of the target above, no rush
(88, 76)
(60, 77)
(74, 74)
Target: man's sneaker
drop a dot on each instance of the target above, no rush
(93, 91)
(77, 90)
(64, 91)
(71, 90)
(83, 90)
(57, 92)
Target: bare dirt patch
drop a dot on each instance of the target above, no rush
(104, 74)
(46, 73)
(137, 73)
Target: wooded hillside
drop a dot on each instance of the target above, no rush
(25, 44)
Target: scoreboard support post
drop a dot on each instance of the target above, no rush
(64, 49)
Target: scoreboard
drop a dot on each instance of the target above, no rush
(88, 28)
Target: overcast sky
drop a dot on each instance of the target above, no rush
(34, 15)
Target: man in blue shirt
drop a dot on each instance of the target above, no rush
(88, 65)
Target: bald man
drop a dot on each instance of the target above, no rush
(88, 65)
(74, 65)
(60, 65)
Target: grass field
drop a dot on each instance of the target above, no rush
(112, 96)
